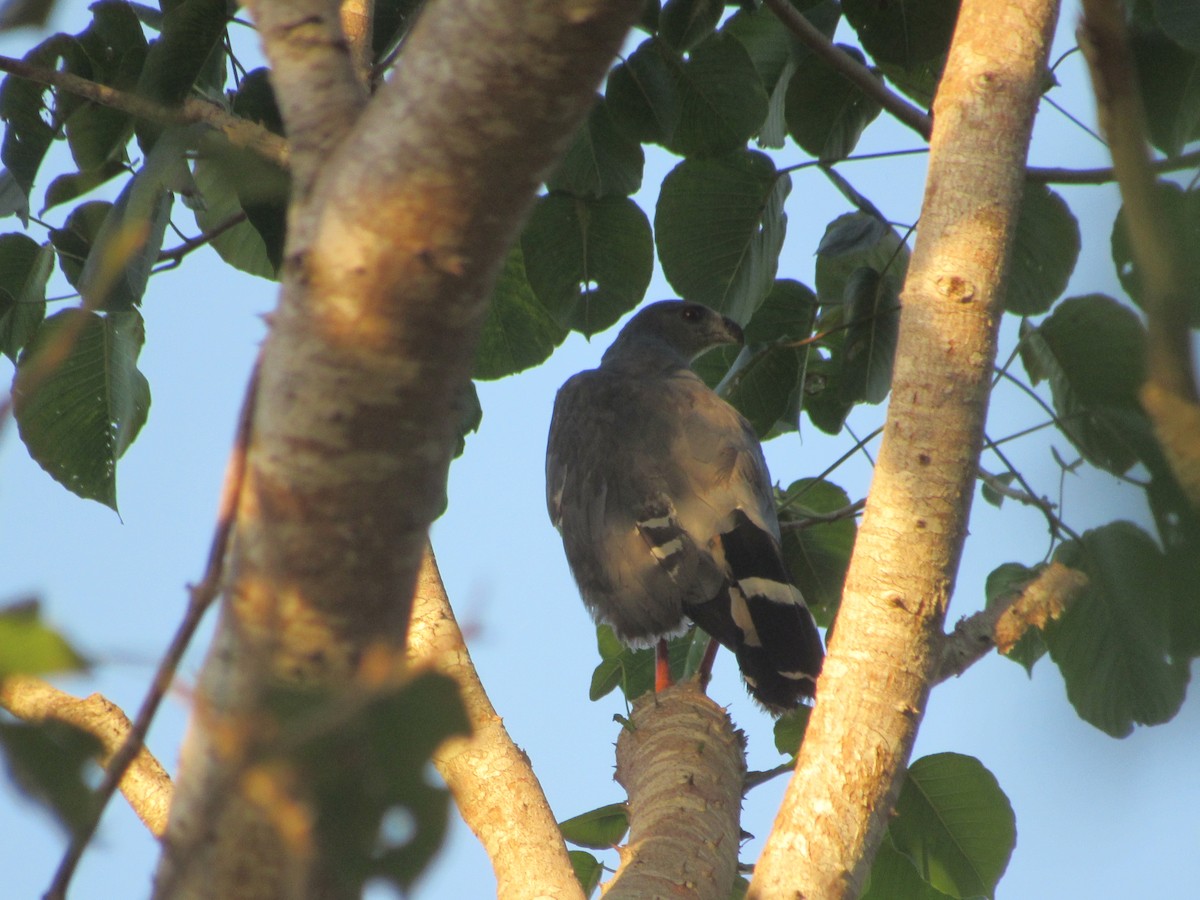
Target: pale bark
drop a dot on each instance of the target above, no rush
(399, 222)
(493, 784)
(683, 766)
(145, 784)
(886, 647)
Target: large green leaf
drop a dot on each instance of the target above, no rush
(518, 332)
(1181, 211)
(52, 763)
(685, 23)
(588, 870)
(117, 269)
(1113, 645)
(75, 239)
(903, 32)
(598, 829)
(826, 114)
(955, 824)
(242, 246)
(1045, 249)
(872, 330)
(588, 261)
(28, 646)
(722, 102)
(602, 161)
(633, 670)
(641, 93)
(852, 241)
(370, 768)
(65, 188)
(25, 267)
(822, 396)
(79, 398)
(1180, 21)
(1092, 351)
(895, 877)
(1169, 78)
(720, 226)
(761, 382)
(817, 554)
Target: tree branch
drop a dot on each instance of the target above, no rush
(238, 131)
(854, 71)
(1108, 174)
(1004, 622)
(682, 764)
(487, 772)
(1169, 395)
(885, 650)
(145, 783)
(176, 254)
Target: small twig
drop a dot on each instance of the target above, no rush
(811, 519)
(175, 254)
(1005, 621)
(756, 778)
(1000, 486)
(200, 598)
(146, 784)
(240, 132)
(854, 71)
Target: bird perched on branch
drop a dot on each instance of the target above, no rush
(666, 509)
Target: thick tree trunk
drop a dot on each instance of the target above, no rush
(400, 219)
(886, 646)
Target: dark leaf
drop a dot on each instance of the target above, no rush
(822, 397)
(905, 32)
(642, 94)
(603, 161)
(25, 268)
(1169, 78)
(75, 239)
(719, 227)
(895, 877)
(518, 332)
(789, 729)
(955, 824)
(685, 23)
(1113, 644)
(1180, 21)
(1181, 210)
(760, 384)
(873, 312)
(587, 869)
(853, 241)
(825, 113)
(242, 246)
(79, 399)
(1045, 249)
(65, 188)
(588, 261)
(721, 100)
(51, 763)
(817, 555)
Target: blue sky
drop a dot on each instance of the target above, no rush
(1096, 817)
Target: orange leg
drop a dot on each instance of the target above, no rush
(662, 667)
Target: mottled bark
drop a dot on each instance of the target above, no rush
(683, 766)
(886, 648)
(399, 222)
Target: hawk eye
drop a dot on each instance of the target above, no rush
(693, 313)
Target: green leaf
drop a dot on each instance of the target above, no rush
(518, 332)
(853, 241)
(817, 555)
(685, 23)
(79, 399)
(191, 29)
(787, 313)
(895, 877)
(1113, 644)
(635, 668)
(872, 329)
(48, 761)
(823, 398)
(1045, 250)
(117, 269)
(598, 829)
(720, 226)
(904, 33)
(826, 114)
(603, 161)
(28, 646)
(365, 769)
(588, 261)
(240, 245)
(722, 102)
(760, 384)
(65, 188)
(587, 869)
(954, 822)
(1180, 21)
(75, 239)
(1002, 582)
(991, 494)
(789, 730)
(642, 95)
(1169, 78)
(1181, 210)
(25, 268)
(1092, 350)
